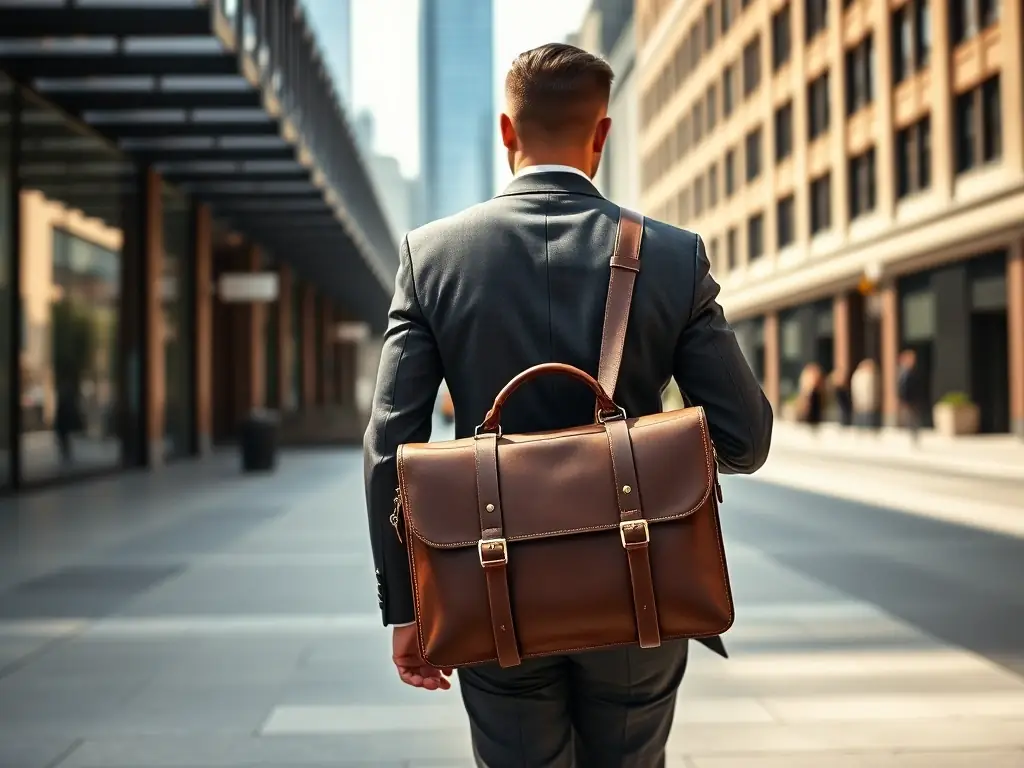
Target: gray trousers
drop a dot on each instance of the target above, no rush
(601, 709)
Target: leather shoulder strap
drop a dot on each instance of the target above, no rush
(625, 266)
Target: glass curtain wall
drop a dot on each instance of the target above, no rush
(6, 243)
(176, 305)
(77, 198)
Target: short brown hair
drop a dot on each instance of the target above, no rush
(557, 88)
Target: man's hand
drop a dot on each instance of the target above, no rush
(414, 671)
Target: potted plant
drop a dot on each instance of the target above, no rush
(955, 414)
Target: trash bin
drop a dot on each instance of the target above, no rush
(259, 442)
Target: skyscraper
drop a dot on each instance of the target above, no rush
(456, 104)
(332, 22)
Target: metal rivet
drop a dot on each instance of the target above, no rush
(626, 489)
(490, 507)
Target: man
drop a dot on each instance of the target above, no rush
(521, 280)
(910, 388)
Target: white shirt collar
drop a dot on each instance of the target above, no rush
(532, 169)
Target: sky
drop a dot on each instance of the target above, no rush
(385, 59)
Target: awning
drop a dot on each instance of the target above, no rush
(230, 101)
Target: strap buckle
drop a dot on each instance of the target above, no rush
(627, 527)
(617, 415)
(479, 431)
(492, 552)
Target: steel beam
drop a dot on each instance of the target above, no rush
(30, 20)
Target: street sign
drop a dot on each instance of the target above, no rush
(248, 287)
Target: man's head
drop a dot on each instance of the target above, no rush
(908, 358)
(556, 111)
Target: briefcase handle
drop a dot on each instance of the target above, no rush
(607, 410)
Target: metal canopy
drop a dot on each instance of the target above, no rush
(230, 101)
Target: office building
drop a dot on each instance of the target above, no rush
(396, 193)
(856, 169)
(187, 234)
(457, 118)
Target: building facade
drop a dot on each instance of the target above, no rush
(457, 119)
(126, 211)
(856, 170)
(396, 192)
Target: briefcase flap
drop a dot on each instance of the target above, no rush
(557, 483)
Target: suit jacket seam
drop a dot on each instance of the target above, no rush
(415, 291)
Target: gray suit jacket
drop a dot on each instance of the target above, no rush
(520, 280)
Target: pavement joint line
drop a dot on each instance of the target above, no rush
(72, 748)
(764, 617)
(23, 661)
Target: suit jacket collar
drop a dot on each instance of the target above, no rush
(555, 181)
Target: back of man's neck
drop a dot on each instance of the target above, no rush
(540, 160)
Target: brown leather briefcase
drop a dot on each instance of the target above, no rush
(565, 541)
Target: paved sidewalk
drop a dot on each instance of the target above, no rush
(198, 618)
(978, 483)
(981, 456)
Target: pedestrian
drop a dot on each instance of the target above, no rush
(911, 391)
(520, 280)
(864, 394)
(843, 397)
(812, 395)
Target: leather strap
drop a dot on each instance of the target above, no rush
(493, 549)
(625, 263)
(633, 529)
(634, 533)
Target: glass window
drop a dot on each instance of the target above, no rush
(861, 180)
(781, 37)
(78, 197)
(860, 76)
(730, 172)
(817, 107)
(913, 158)
(752, 66)
(728, 97)
(815, 17)
(6, 376)
(753, 142)
(784, 131)
(175, 302)
(821, 203)
(755, 237)
(785, 215)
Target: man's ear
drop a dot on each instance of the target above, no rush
(508, 133)
(601, 134)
